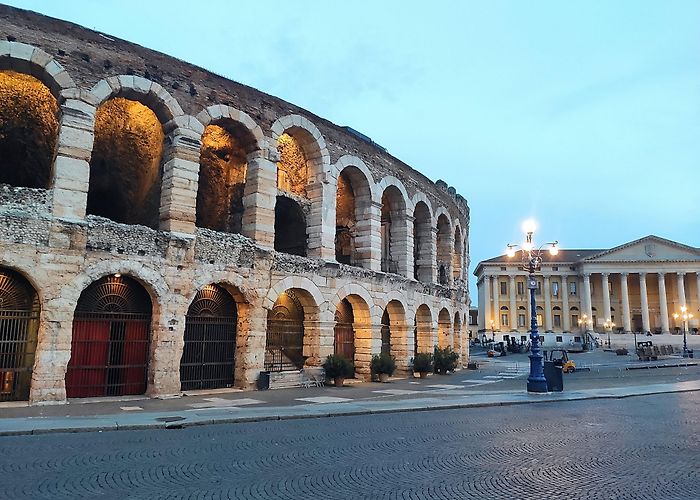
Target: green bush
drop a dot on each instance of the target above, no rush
(423, 362)
(445, 360)
(337, 366)
(383, 363)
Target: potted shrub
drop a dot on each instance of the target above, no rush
(445, 360)
(338, 368)
(423, 364)
(383, 365)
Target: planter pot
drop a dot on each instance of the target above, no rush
(383, 378)
(423, 374)
(339, 381)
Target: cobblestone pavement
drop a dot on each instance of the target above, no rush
(636, 448)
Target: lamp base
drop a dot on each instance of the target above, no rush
(536, 385)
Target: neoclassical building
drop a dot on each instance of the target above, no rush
(163, 228)
(638, 286)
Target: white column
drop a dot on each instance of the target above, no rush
(681, 289)
(626, 319)
(495, 290)
(511, 295)
(645, 301)
(565, 304)
(486, 308)
(697, 287)
(606, 296)
(587, 302)
(547, 304)
(663, 305)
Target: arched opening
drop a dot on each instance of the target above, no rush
(385, 333)
(444, 329)
(290, 227)
(292, 315)
(222, 172)
(353, 332)
(422, 244)
(125, 168)
(458, 334)
(111, 339)
(457, 255)
(211, 324)
(393, 231)
(28, 130)
(444, 249)
(19, 325)
(292, 169)
(424, 330)
(352, 226)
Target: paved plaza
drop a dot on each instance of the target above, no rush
(642, 447)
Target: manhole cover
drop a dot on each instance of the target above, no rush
(170, 419)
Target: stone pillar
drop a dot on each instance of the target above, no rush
(178, 196)
(681, 289)
(433, 255)
(374, 219)
(495, 290)
(512, 306)
(605, 283)
(663, 305)
(547, 304)
(71, 169)
(624, 291)
(401, 242)
(486, 308)
(644, 301)
(565, 303)
(320, 224)
(260, 197)
(587, 302)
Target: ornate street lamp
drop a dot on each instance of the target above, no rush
(583, 324)
(685, 316)
(531, 259)
(608, 325)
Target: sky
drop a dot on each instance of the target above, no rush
(582, 114)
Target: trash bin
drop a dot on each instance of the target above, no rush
(554, 375)
(264, 381)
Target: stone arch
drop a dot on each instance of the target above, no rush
(445, 337)
(457, 253)
(230, 139)
(363, 341)
(353, 228)
(20, 310)
(424, 330)
(458, 335)
(395, 206)
(444, 246)
(423, 250)
(27, 59)
(396, 339)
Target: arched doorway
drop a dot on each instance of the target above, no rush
(208, 358)
(343, 331)
(422, 244)
(457, 334)
(111, 339)
(457, 255)
(386, 333)
(290, 227)
(393, 231)
(284, 346)
(19, 325)
(444, 249)
(424, 330)
(29, 117)
(444, 329)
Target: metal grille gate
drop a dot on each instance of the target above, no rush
(344, 332)
(284, 345)
(208, 358)
(111, 339)
(19, 324)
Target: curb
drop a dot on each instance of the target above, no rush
(302, 414)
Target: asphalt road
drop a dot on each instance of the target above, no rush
(641, 447)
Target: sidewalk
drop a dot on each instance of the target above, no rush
(229, 407)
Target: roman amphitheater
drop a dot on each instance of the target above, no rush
(164, 229)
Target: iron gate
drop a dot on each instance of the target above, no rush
(111, 339)
(284, 347)
(208, 358)
(19, 324)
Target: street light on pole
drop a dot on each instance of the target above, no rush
(685, 316)
(531, 258)
(608, 325)
(583, 323)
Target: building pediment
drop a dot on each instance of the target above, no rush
(648, 249)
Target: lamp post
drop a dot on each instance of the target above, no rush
(685, 316)
(531, 259)
(583, 323)
(608, 325)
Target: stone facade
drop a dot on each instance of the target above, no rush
(51, 238)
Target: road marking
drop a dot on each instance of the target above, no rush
(445, 386)
(224, 403)
(479, 382)
(397, 392)
(130, 408)
(324, 399)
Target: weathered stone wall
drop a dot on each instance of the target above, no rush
(47, 236)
